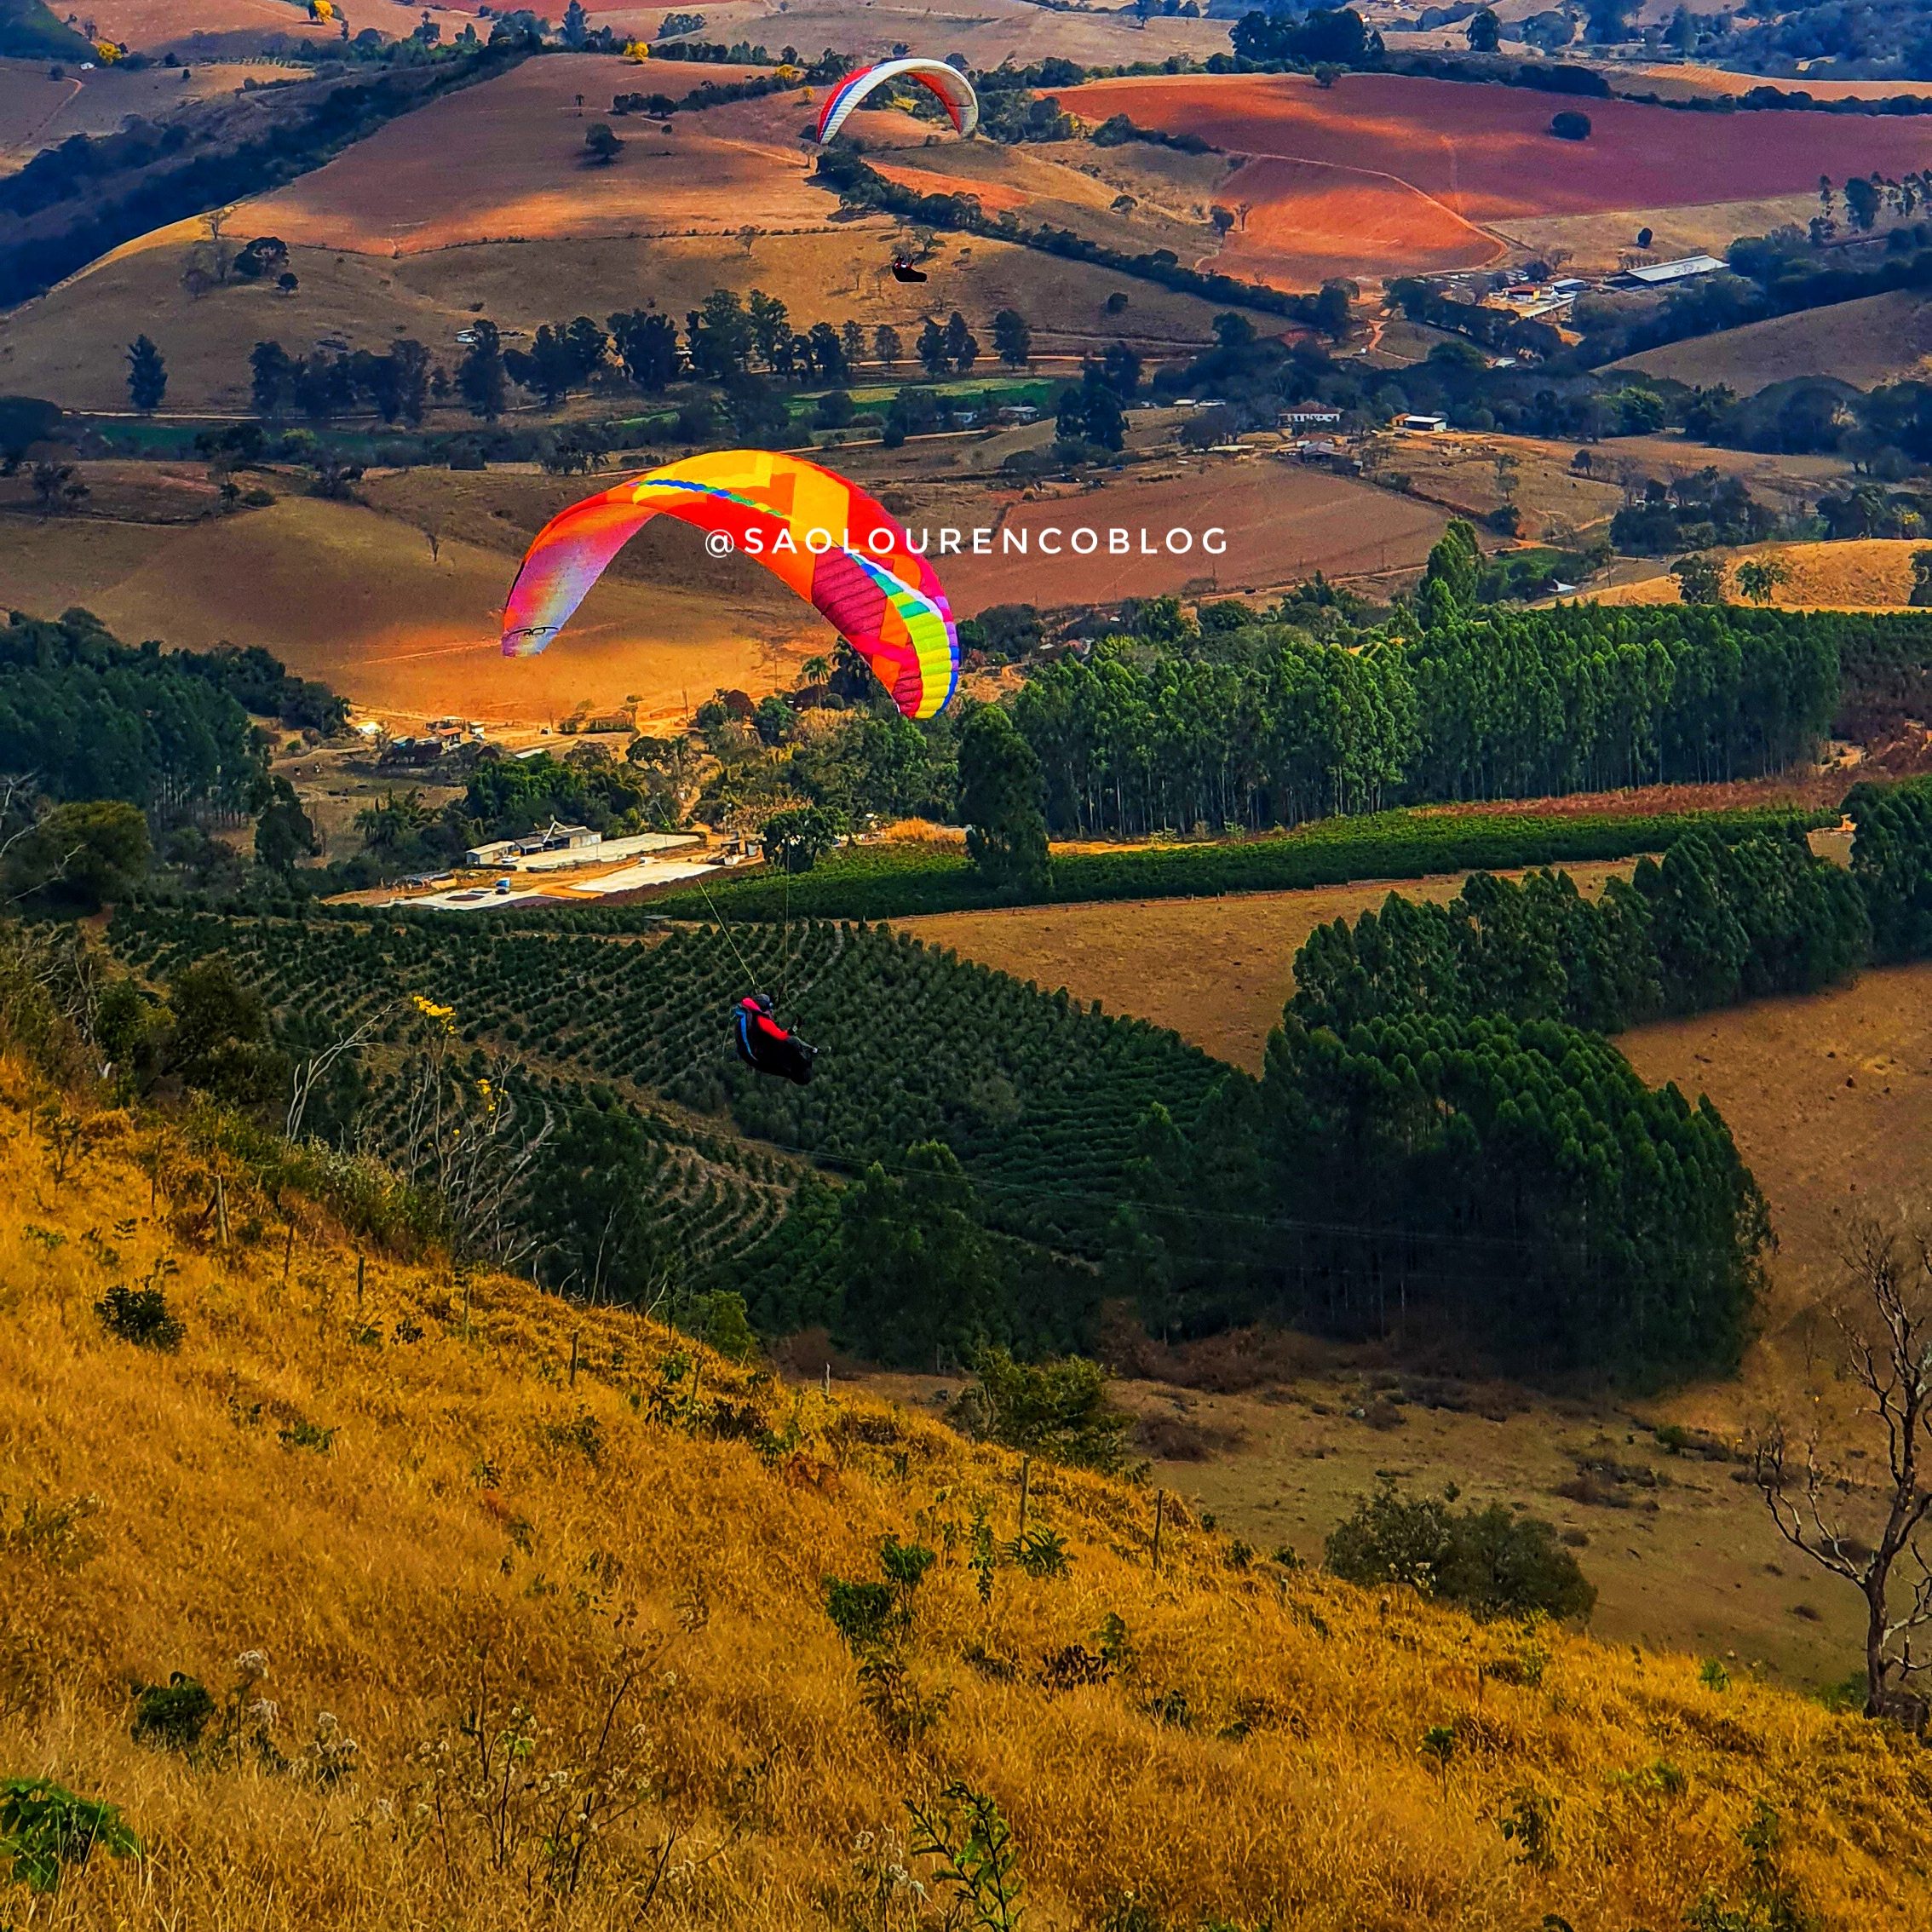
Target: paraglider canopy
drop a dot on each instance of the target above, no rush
(952, 86)
(840, 549)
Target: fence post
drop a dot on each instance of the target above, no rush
(288, 1254)
(574, 1333)
(361, 1264)
(1159, 1516)
(1025, 1480)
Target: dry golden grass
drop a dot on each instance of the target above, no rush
(457, 1529)
(1862, 574)
(1875, 340)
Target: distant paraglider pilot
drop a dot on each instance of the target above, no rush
(765, 1046)
(902, 270)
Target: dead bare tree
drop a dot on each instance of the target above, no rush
(464, 1138)
(310, 1070)
(1886, 1325)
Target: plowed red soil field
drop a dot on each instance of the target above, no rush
(1468, 155)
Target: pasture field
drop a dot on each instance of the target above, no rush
(986, 32)
(154, 26)
(379, 1503)
(1467, 159)
(1875, 340)
(1865, 573)
(37, 111)
(352, 595)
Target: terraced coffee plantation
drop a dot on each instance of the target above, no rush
(1039, 1097)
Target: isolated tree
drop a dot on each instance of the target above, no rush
(1700, 581)
(852, 340)
(961, 346)
(57, 486)
(770, 326)
(575, 30)
(283, 833)
(147, 376)
(718, 337)
(1331, 308)
(887, 348)
(931, 348)
(1485, 35)
(1921, 578)
(1012, 339)
(1814, 1492)
(1222, 218)
(1002, 799)
(600, 145)
(1759, 576)
(480, 376)
(271, 373)
(646, 348)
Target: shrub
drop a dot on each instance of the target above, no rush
(861, 1612)
(1058, 1410)
(141, 1316)
(173, 1715)
(1569, 125)
(1490, 1562)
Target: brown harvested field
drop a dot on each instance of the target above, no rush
(519, 142)
(1875, 340)
(1484, 154)
(1867, 573)
(352, 595)
(1458, 469)
(986, 32)
(160, 25)
(1282, 522)
(1218, 971)
(37, 110)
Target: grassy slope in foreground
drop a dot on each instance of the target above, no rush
(475, 1525)
(897, 880)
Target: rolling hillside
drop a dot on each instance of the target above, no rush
(410, 1549)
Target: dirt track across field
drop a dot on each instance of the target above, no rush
(1384, 168)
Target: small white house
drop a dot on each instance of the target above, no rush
(1426, 425)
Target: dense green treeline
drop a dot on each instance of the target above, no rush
(1515, 1184)
(1443, 1137)
(1264, 726)
(1709, 925)
(1892, 864)
(88, 718)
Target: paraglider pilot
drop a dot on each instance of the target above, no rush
(765, 1046)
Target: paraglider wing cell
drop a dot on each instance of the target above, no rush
(952, 86)
(837, 547)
